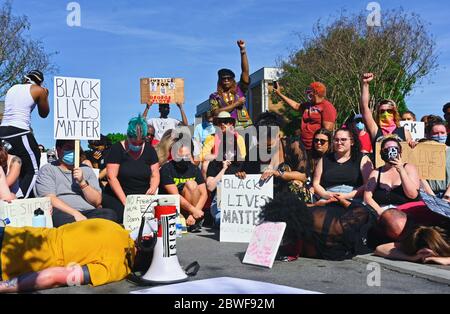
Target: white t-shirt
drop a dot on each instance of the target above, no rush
(18, 107)
(162, 125)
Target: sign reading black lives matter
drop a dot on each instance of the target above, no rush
(241, 202)
(77, 108)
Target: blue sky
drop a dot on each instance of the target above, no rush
(123, 40)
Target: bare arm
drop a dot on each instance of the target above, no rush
(184, 203)
(45, 279)
(40, 96)
(14, 170)
(366, 169)
(203, 197)
(292, 103)
(392, 251)
(147, 108)
(5, 193)
(211, 182)
(245, 68)
(231, 107)
(318, 189)
(370, 123)
(410, 180)
(184, 119)
(62, 206)
(427, 188)
(368, 193)
(112, 171)
(155, 179)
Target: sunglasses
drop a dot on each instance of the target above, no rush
(381, 111)
(319, 140)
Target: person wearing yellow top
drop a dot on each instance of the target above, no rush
(94, 251)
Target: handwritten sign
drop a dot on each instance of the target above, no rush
(241, 202)
(162, 90)
(417, 129)
(428, 157)
(264, 244)
(136, 205)
(21, 212)
(77, 108)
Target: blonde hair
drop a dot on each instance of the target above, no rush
(164, 147)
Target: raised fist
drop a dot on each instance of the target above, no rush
(367, 78)
(241, 44)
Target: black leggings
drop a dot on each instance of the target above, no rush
(24, 146)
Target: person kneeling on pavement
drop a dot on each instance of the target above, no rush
(75, 193)
(94, 251)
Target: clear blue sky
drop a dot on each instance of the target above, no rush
(121, 41)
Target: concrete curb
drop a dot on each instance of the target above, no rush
(432, 273)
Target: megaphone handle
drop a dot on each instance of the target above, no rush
(196, 267)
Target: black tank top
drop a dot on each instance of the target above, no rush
(395, 196)
(400, 132)
(334, 173)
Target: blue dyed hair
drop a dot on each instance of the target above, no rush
(137, 127)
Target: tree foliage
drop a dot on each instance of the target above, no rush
(18, 53)
(116, 137)
(400, 52)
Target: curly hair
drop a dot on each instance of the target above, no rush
(233, 88)
(287, 207)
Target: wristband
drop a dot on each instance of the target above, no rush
(85, 185)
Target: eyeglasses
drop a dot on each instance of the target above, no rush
(339, 140)
(381, 111)
(319, 140)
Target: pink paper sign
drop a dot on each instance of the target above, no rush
(264, 244)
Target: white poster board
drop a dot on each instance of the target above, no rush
(264, 244)
(77, 108)
(136, 205)
(416, 128)
(241, 202)
(21, 212)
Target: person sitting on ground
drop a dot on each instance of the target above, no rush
(318, 230)
(201, 132)
(164, 147)
(356, 125)
(395, 183)
(74, 192)
(317, 113)
(408, 116)
(132, 167)
(94, 251)
(437, 132)
(11, 166)
(230, 96)
(322, 145)
(387, 117)
(164, 123)
(98, 150)
(5, 193)
(181, 177)
(343, 172)
(422, 244)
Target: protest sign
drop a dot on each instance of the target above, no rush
(136, 205)
(436, 204)
(162, 90)
(77, 108)
(264, 244)
(417, 129)
(429, 158)
(241, 202)
(21, 212)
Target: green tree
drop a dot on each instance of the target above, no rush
(400, 52)
(116, 137)
(18, 53)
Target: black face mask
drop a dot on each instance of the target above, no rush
(182, 165)
(389, 154)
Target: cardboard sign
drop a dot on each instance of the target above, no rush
(136, 205)
(264, 244)
(417, 129)
(428, 157)
(21, 212)
(241, 203)
(77, 108)
(162, 90)
(436, 204)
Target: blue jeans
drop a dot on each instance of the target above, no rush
(341, 189)
(215, 211)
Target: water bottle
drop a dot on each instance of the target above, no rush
(39, 218)
(179, 227)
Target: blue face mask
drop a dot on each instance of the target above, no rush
(360, 126)
(440, 138)
(68, 157)
(134, 148)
